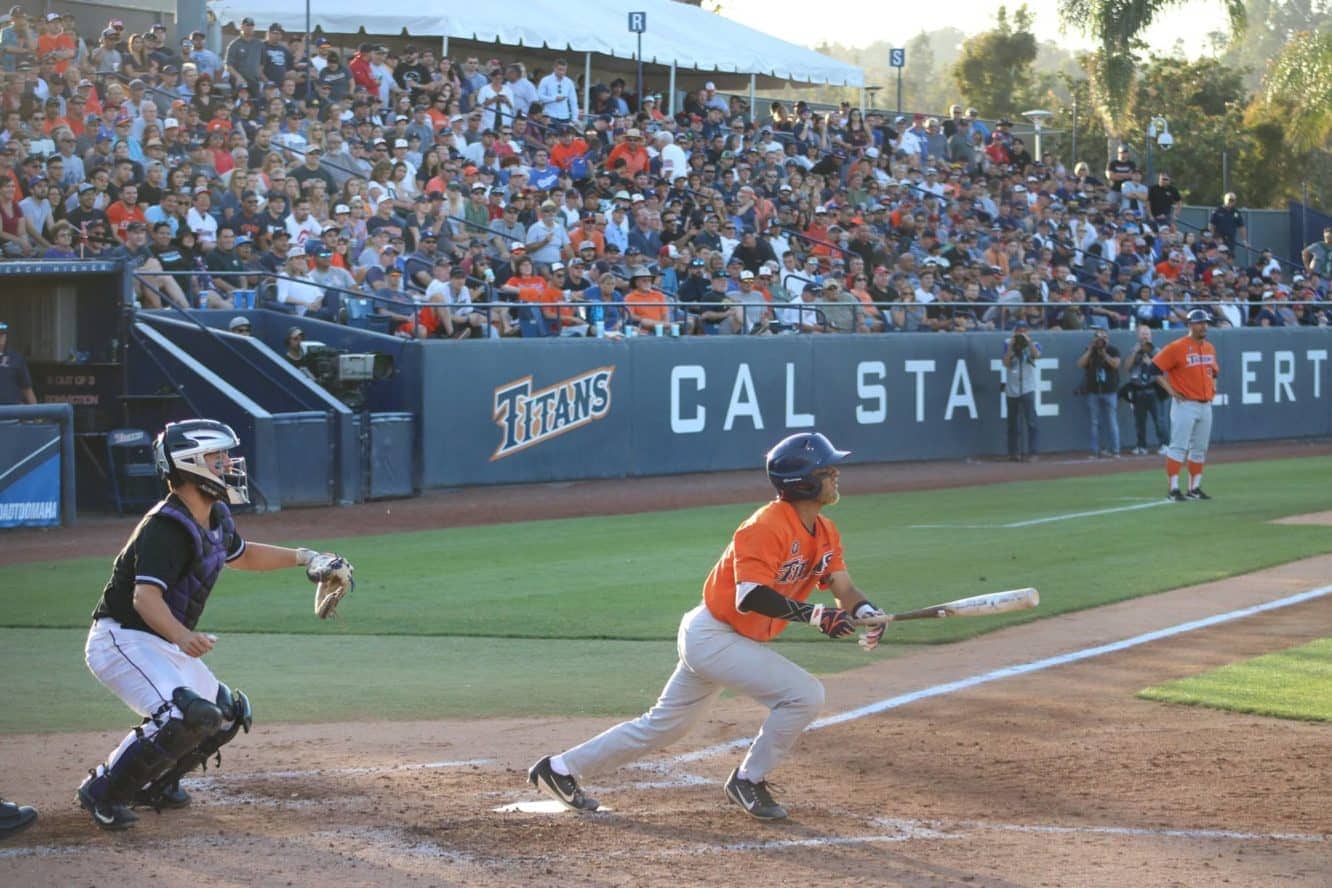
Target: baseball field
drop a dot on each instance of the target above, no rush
(1107, 737)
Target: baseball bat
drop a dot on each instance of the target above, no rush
(975, 606)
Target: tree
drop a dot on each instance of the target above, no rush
(995, 68)
(1118, 26)
(1300, 80)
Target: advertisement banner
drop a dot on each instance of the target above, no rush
(29, 475)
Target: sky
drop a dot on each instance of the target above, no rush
(862, 22)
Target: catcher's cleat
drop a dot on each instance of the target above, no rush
(106, 814)
(564, 789)
(753, 797)
(1197, 494)
(170, 797)
(1175, 496)
(15, 818)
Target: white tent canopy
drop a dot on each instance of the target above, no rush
(692, 39)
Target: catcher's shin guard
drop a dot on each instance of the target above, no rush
(150, 756)
(236, 714)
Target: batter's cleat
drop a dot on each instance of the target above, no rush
(1175, 496)
(1197, 494)
(106, 814)
(169, 798)
(561, 787)
(753, 797)
(15, 818)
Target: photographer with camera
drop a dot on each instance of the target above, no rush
(1020, 381)
(1143, 392)
(1100, 366)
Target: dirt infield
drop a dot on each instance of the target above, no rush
(1054, 777)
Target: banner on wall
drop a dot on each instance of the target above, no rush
(593, 409)
(29, 475)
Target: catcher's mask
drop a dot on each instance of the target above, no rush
(180, 452)
(792, 463)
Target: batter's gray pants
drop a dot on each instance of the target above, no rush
(713, 656)
(1190, 428)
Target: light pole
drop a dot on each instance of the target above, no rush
(1158, 131)
(1038, 118)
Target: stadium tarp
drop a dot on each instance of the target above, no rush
(700, 43)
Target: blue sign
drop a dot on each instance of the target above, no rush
(33, 499)
(897, 58)
(637, 22)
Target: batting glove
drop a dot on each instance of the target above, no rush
(870, 640)
(831, 621)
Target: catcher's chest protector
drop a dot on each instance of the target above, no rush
(187, 596)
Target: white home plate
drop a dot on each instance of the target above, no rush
(540, 806)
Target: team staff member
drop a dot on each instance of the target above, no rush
(760, 584)
(1189, 369)
(144, 645)
(15, 380)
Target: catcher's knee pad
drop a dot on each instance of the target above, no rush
(202, 716)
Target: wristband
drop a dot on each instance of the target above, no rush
(304, 555)
(864, 609)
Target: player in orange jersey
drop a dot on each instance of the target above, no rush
(1188, 370)
(760, 584)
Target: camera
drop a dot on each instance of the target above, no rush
(1019, 342)
(345, 376)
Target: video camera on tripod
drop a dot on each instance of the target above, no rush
(345, 375)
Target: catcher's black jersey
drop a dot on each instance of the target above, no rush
(159, 552)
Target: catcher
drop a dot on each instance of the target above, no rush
(144, 645)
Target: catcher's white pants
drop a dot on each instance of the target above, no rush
(143, 670)
(713, 656)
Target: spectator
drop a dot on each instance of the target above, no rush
(1021, 379)
(1100, 365)
(1317, 256)
(15, 380)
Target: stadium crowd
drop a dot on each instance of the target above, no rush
(453, 191)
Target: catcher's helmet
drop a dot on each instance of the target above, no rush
(1199, 316)
(179, 453)
(793, 462)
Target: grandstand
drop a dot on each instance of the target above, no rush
(343, 245)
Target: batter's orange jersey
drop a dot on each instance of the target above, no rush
(1191, 367)
(774, 549)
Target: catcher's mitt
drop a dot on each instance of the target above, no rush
(332, 576)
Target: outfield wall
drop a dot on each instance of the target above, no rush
(565, 409)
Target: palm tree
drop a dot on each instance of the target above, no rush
(1118, 26)
(1300, 81)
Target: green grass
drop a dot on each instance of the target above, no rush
(1294, 683)
(594, 603)
(304, 678)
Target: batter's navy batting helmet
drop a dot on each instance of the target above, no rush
(179, 453)
(792, 463)
(1198, 316)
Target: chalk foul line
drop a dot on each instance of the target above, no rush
(1049, 519)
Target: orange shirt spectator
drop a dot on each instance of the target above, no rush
(645, 305)
(566, 149)
(55, 40)
(120, 214)
(632, 152)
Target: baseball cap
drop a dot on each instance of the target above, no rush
(746, 275)
(587, 245)
(399, 143)
(238, 321)
(557, 266)
(341, 208)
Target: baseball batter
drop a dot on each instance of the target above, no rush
(144, 644)
(1187, 369)
(760, 584)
